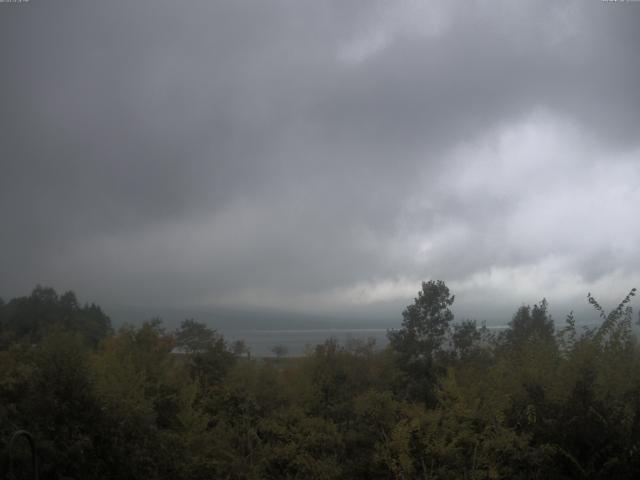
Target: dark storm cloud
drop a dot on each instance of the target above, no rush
(316, 155)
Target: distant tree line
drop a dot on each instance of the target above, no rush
(443, 400)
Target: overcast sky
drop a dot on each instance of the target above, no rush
(320, 156)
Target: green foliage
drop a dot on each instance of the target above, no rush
(466, 339)
(438, 403)
(425, 323)
(209, 357)
(280, 351)
(240, 349)
(418, 343)
(194, 336)
(530, 324)
(29, 319)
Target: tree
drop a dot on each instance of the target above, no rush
(530, 324)
(240, 348)
(29, 319)
(280, 351)
(425, 323)
(466, 338)
(210, 358)
(62, 409)
(419, 341)
(195, 336)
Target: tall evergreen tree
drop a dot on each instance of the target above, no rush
(419, 342)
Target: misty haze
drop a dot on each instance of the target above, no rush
(278, 239)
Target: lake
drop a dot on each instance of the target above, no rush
(260, 342)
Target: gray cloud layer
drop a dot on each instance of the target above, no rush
(319, 156)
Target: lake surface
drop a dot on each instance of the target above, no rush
(260, 342)
(296, 341)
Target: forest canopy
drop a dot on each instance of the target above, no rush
(445, 399)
